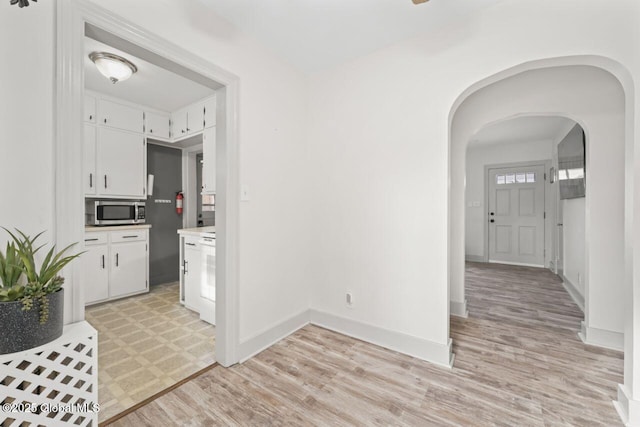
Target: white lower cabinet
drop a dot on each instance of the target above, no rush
(198, 278)
(192, 272)
(96, 272)
(116, 264)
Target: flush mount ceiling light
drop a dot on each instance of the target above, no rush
(21, 3)
(112, 66)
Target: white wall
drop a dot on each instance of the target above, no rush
(378, 136)
(479, 156)
(574, 242)
(26, 119)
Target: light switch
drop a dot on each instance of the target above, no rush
(244, 193)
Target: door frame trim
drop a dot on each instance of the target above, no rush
(71, 17)
(546, 164)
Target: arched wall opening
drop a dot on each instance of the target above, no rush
(595, 99)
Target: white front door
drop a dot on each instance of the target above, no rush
(516, 215)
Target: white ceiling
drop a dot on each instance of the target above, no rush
(317, 34)
(151, 86)
(522, 129)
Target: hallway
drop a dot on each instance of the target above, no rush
(518, 362)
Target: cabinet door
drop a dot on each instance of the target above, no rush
(179, 124)
(208, 283)
(89, 160)
(121, 163)
(157, 125)
(128, 268)
(195, 118)
(209, 161)
(95, 265)
(89, 109)
(120, 116)
(192, 275)
(210, 112)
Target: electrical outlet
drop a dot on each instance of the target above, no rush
(349, 299)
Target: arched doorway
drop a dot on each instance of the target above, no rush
(596, 99)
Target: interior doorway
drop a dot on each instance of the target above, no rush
(75, 19)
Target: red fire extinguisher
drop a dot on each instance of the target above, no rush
(179, 198)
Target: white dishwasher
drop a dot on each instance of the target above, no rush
(208, 284)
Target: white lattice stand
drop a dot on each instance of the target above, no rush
(54, 384)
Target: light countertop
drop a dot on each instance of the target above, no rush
(199, 231)
(94, 228)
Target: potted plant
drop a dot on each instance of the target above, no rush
(31, 298)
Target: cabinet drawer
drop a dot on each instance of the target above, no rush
(191, 242)
(208, 241)
(128, 236)
(95, 238)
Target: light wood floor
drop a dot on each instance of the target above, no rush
(518, 363)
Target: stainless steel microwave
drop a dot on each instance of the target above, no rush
(115, 212)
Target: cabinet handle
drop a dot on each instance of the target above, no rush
(105, 181)
(117, 259)
(105, 120)
(129, 237)
(182, 130)
(103, 262)
(190, 244)
(90, 180)
(150, 130)
(91, 240)
(90, 116)
(186, 265)
(188, 129)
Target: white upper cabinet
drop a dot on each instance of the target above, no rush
(89, 109)
(189, 120)
(195, 118)
(89, 162)
(209, 161)
(210, 112)
(157, 125)
(121, 164)
(120, 116)
(179, 124)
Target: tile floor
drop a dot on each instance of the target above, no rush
(146, 343)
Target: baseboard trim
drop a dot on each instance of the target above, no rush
(573, 292)
(602, 338)
(459, 309)
(268, 337)
(439, 354)
(518, 264)
(474, 258)
(627, 408)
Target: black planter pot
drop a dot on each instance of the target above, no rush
(21, 330)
